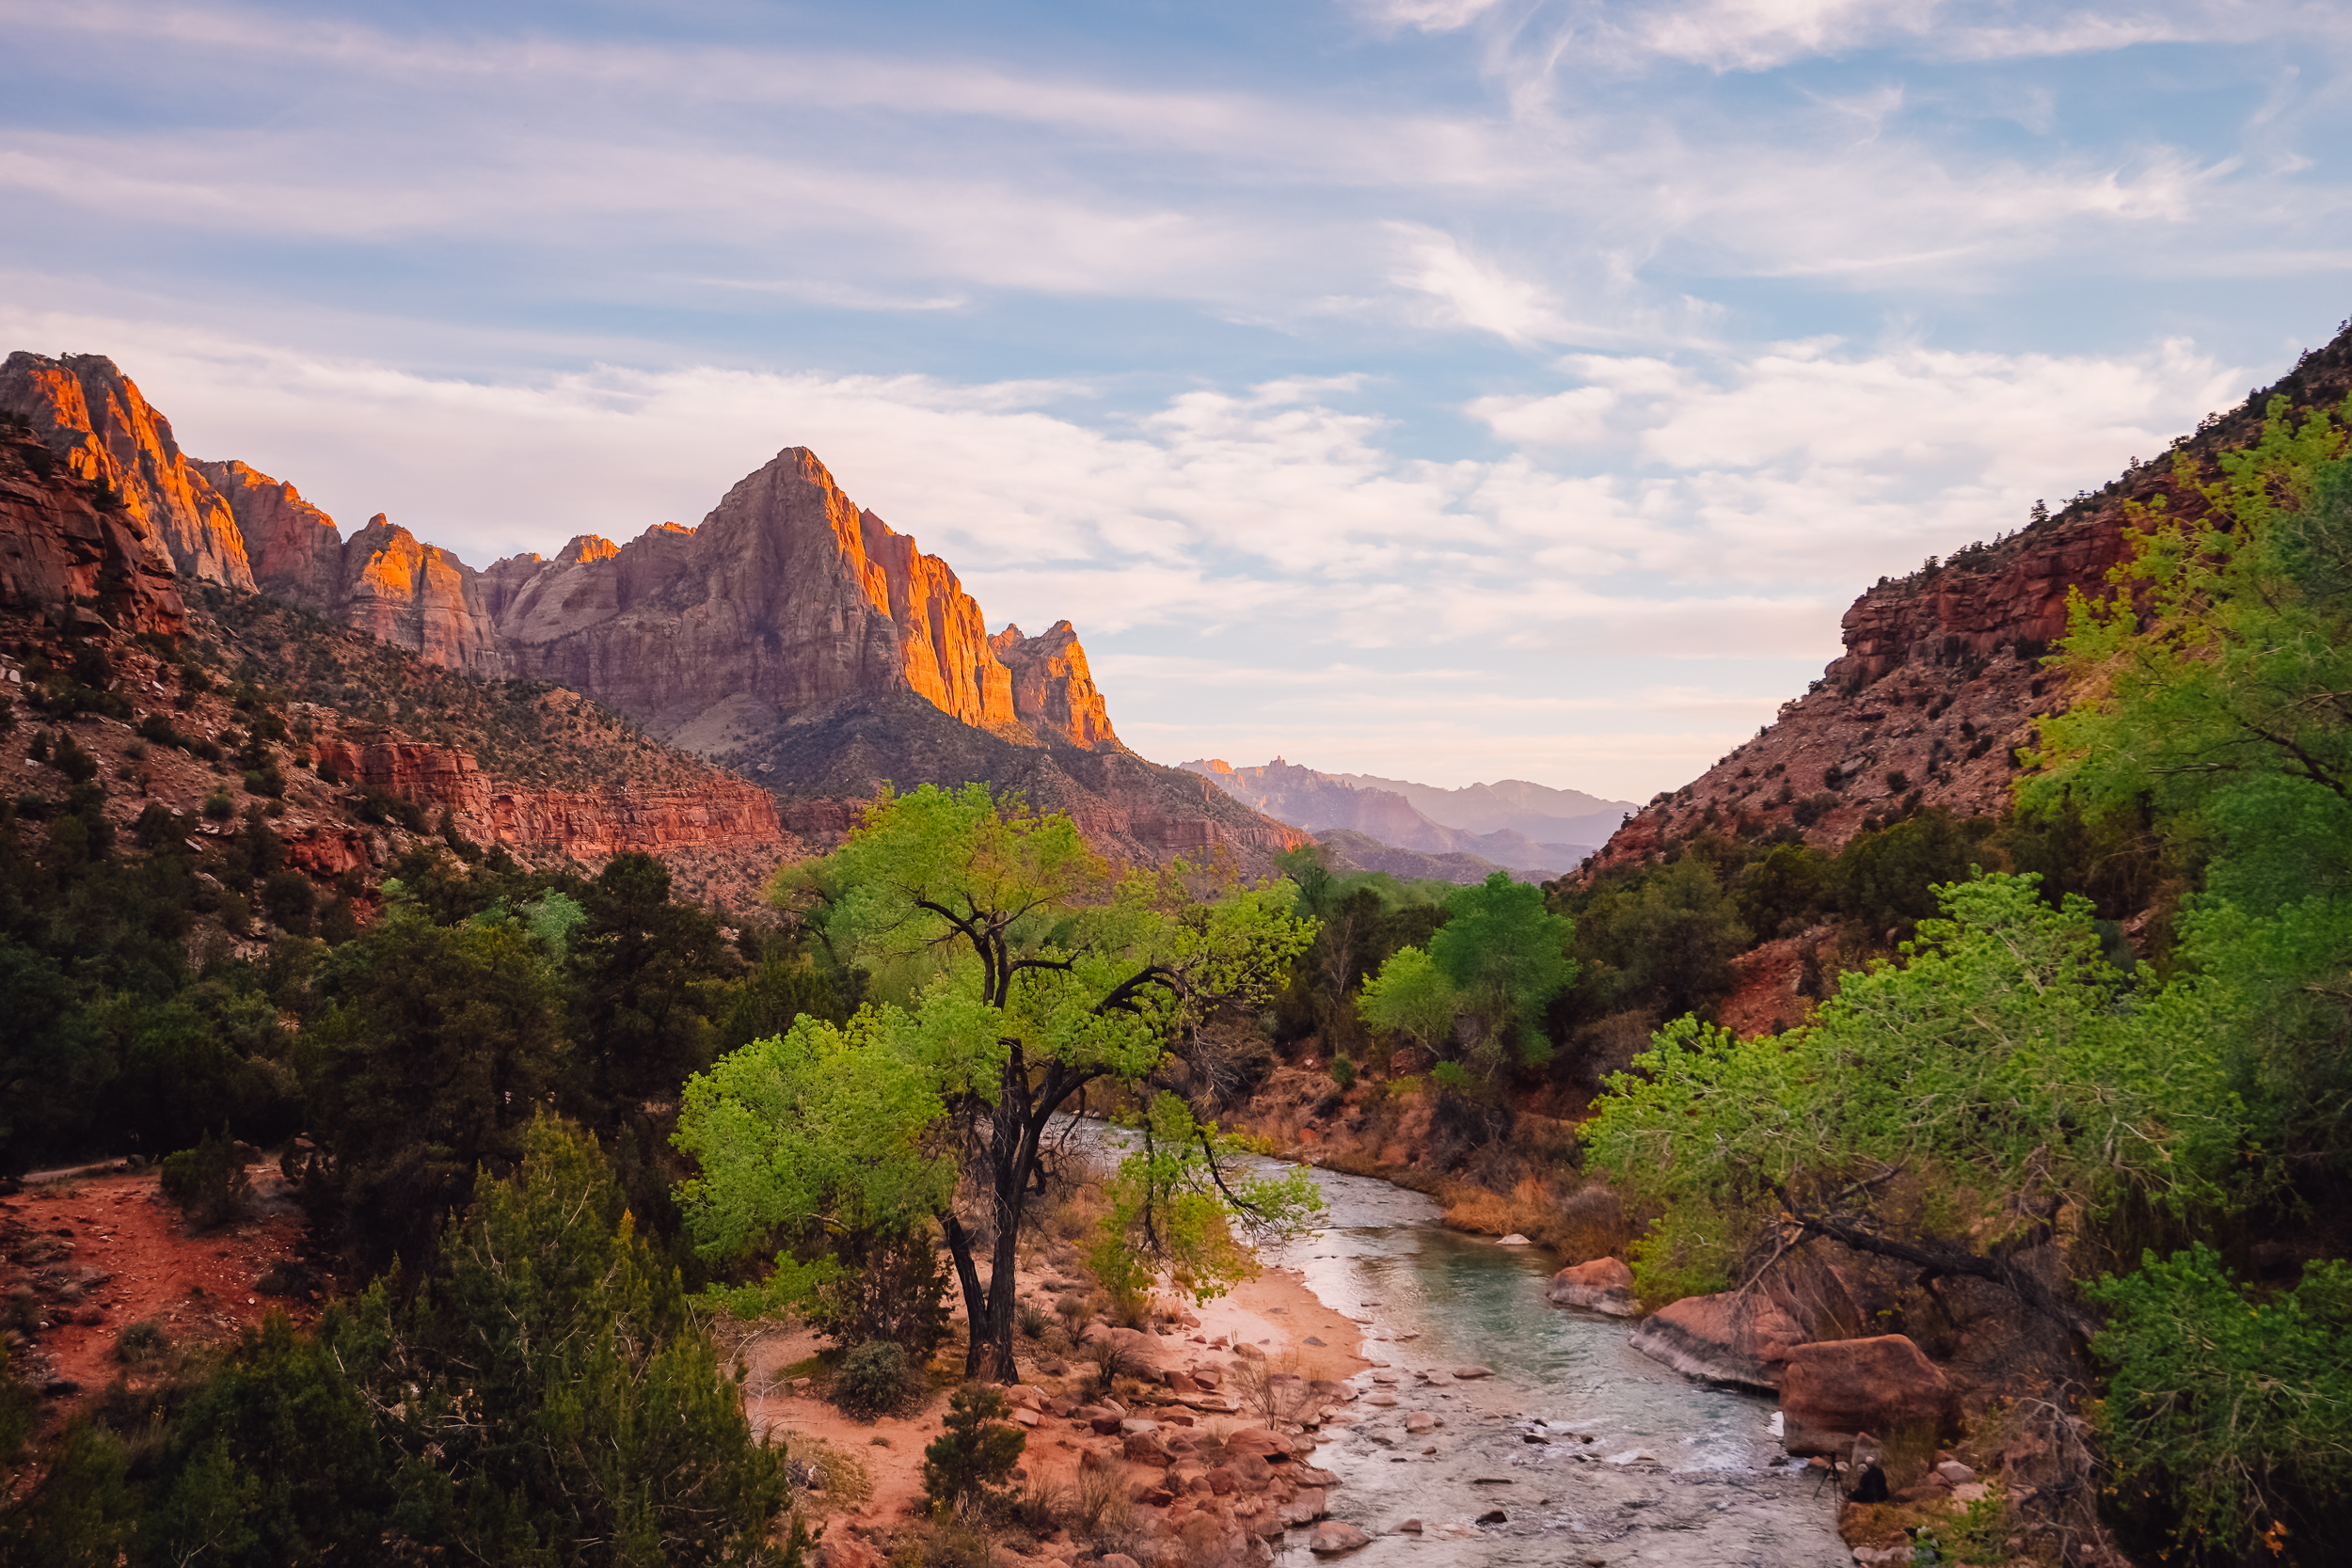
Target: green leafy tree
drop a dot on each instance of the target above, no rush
(1665, 942)
(2230, 1420)
(1990, 1075)
(1501, 957)
(1029, 974)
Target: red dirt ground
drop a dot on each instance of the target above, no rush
(197, 1287)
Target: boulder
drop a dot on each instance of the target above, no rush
(1334, 1539)
(1738, 1338)
(1515, 1239)
(1831, 1392)
(1470, 1374)
(1145, 1448)
(1603, 1285)
(1305, 1509)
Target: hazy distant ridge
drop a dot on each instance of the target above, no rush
(1529, 828)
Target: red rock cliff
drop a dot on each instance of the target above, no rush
(1053, 690)
(295, 550)
(588, 825)
(91, 413)
(58, 550)
(788, 596)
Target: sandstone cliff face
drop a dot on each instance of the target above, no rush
(418, 597)
(89, 412)
(60, 553)
(294, 548)
(943, 646)
(787, 598)
(1941, 679)
(1053, 690)
(587, 825)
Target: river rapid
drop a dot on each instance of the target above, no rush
(1589, 1451)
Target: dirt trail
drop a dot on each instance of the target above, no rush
(88, 1254)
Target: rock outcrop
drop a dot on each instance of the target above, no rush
(89, 412)
(1831, 1392)
(295, 550)
(76, 560)
(1053, 690)
(1740, 1340)
(787, 597)
(587, 825)
(1941, 684)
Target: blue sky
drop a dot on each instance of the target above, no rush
(1440, 389)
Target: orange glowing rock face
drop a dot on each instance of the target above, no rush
(88, 411)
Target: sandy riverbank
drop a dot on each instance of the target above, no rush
(1275, 1313)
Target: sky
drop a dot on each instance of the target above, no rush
(1445, 389)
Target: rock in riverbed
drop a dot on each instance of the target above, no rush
(1603, 1285)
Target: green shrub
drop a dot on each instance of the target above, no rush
(965, 1467)
(209, 1181)
(2229, 1420)
(875, 1379)
(1030, 1319)
(142, 1343)
(1343, 1073)
(218, 807)
(288, 897)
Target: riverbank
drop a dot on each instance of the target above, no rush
(1272, 1325)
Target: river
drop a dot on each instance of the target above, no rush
(1591, 1452)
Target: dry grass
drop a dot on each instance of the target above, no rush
(1580, 1220)
(825, 1476)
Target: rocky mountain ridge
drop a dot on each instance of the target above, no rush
(1940, 686)
(1385, 811)
(791, 634)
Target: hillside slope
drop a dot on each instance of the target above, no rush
(1940, 685)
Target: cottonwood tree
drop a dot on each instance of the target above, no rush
(1027, 973)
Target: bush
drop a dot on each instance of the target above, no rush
(218, 807)
(1030, 1319)
(887, 1285)
(1343, 1073)
(965, 1467)
(2229, 1421)
(875, 1379)
(142, 1343)
(208, 1181)
(289, 901)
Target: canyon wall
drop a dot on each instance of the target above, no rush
(589, 824)
(85, 566)
(89, 412)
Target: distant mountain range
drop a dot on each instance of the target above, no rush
(1530, 830)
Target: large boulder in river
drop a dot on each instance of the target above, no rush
(1833, 1392)
(1742, 1339)
(1603, 1285)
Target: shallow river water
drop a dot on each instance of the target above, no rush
(1673, 1472)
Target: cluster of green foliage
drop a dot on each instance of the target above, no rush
(209, 1181)
(1013, 973)
(545, 1398)
(2230, 1422)
(966, 1467)
(1500, 958)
